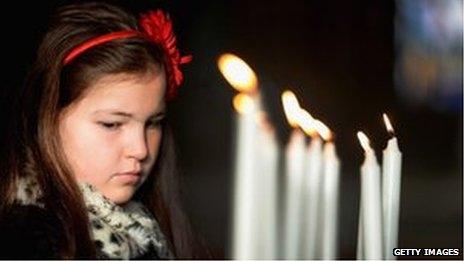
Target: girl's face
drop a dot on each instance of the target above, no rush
(111, 136)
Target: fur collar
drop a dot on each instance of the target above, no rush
(118, 232)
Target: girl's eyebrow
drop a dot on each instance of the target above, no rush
(114, 112)
(129, 115)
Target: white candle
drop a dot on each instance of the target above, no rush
(294, 160)
(331, 173)
(324, 191)
(244, 183)
(294, 171)
(310, 191)
(266, 191)
(371, 202)
(391, 184)
(312, 187)
(242, 78)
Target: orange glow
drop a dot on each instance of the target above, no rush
(363, 140)
(291, 108)
(388, 124)
(243, 103)
(237, 73)
(323, 130)
(306, 122)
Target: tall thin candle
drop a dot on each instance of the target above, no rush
(391, 186)
(312, 185)
(244, 183)
(330, 192)
(242, 78)
(294, 164)
(371, 203)
(265, 220)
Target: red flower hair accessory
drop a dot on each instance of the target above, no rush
(157, 28)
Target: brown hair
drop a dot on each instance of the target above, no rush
(51, 87)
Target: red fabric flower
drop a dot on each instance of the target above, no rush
(158, 28)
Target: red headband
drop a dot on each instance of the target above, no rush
(155, 27)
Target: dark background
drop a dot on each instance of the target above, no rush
(337, 56)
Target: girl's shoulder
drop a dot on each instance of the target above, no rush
(29, 232)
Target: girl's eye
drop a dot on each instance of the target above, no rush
(110, 125)
(156, 123)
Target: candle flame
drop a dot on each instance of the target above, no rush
(323, 130)
(306, 122)
(237, 73)
(291, 108)
(363, 140)
(388, 124)
(243, 103)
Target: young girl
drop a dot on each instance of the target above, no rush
(93, 172)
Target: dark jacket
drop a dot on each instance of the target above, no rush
(30, 232)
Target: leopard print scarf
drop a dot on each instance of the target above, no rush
(122, 232)
(118, 232)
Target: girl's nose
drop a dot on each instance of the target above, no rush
(137, 145)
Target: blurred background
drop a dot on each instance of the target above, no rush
(347, 62)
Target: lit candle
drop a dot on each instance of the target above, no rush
(371, 203)
(294, 159)
(391, 184)
(266, 190)
(244, 183)
(311, 189)
(330, 192)
(247, 104)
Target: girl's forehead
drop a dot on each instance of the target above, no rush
(126, 78)
(142, 93)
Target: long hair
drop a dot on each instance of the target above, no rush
(51, 87)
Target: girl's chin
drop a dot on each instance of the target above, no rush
(120, 195)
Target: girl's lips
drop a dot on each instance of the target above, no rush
(135, 173)
(131, 177)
